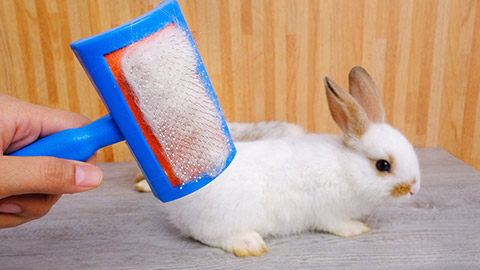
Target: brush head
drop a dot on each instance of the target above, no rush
(161, 71)
(152, 80)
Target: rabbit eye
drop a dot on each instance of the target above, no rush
(383, 165)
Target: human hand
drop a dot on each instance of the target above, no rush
(30, 186)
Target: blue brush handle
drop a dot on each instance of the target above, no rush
(76, 143)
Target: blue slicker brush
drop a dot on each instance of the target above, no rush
(152, 80)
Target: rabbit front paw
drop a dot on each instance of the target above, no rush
(141, 184)
(245, 244)
(350, 229)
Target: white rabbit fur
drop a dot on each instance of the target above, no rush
(246, 132)
(289, 185)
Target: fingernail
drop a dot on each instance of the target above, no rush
(10, 208)
(88, 176)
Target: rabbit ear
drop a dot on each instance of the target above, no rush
(345, 110)
(363, 89)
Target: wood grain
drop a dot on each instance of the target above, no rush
(115, 227)
(266, 59)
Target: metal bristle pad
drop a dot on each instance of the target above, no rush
(176, 104)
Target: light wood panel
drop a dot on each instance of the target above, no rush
(266, 59)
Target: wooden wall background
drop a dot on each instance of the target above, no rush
(266, 59)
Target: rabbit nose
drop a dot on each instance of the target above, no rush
(414, 188)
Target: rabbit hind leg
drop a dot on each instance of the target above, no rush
(241, 244)
(349, 229)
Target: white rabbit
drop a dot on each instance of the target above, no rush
(313, 182)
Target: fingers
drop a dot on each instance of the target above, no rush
(28, 205)
(46, 175)
(54, 120)
(51, 120)
(30, 191)
(11, 220)
(17, 210)
(29, 186)
(23, 123)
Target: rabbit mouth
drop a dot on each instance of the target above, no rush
(403, 188)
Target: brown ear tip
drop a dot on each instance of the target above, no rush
(328, 82)
(356, 70)
(330, 86)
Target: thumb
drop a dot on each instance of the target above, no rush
(46, 175)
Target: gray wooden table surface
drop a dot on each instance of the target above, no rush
(115, 227)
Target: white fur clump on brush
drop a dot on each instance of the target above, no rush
(290, 185)
(169, 91)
